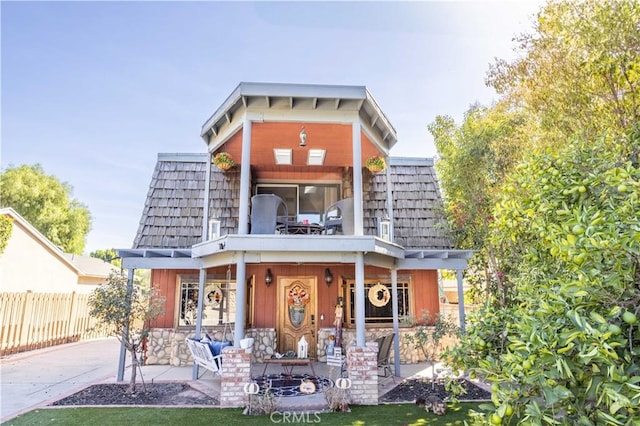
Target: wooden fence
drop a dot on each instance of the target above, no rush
(37, 320)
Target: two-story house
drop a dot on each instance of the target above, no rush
(271, 256)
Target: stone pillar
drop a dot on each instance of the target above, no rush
(362, 367)
(236, 372)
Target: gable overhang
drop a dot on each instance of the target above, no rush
(150, 258)
(435, 259)
(279, 101)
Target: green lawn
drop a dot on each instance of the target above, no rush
(384, 415)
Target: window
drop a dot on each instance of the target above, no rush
(219, 304)
(304, 201)
(378, 307)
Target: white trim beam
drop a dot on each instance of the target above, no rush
(432, 264)
(160, 263)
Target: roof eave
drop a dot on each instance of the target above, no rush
(244, 90)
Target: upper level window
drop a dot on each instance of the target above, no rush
(304, 201)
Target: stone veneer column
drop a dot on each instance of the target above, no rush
(362, 367)
(236, 372)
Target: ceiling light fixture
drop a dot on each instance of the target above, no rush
(303, 137)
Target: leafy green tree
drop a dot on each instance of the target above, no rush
(6, 226)
(560, 342)
(474, 159)
(127, 313)
(108, 255)
(568, 350)
(142, 276)
(46, 203)
(579, 71)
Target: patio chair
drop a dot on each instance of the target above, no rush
(384, 353)
(264, 214)
(342, 222)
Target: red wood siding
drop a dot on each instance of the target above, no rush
(334, 138)
(425, 290)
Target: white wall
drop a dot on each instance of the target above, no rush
(27, 264)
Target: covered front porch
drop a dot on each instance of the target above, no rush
(355, 253)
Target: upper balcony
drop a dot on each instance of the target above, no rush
(332, 117)
(307, 144)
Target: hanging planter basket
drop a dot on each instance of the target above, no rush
(224, 166)
(223, 161)
(375, 164)
(375, 169)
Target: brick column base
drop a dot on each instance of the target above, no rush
(236, 372)
(362, 367)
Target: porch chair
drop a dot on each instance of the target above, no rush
(384, 353)
(264, 214)
(343, 221)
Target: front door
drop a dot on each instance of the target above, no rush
(297, 304)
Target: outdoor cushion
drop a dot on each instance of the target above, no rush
(216, 346)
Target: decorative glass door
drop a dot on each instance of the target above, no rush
(297, 306)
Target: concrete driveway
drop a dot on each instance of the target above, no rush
(30, 379)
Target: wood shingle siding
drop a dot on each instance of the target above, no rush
(172, 215)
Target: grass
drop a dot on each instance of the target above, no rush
(404, 414)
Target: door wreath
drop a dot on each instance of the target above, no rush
(379, 295)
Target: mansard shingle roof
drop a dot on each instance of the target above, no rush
(172, 215)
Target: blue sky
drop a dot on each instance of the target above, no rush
(93, 91)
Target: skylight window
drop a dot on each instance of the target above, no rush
(283, 156)
(315, 157)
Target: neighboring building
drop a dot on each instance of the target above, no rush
(32, 263)
(308, 144)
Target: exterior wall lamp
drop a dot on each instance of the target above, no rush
(303, 137)
(384, 228)
(328, 277)
(268, 277)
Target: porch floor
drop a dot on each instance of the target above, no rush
(210, 384)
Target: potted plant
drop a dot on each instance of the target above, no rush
(223, 161)
(375, 164)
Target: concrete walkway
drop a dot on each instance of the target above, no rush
(34, 379)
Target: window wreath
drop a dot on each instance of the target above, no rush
(379, 295)
(213, 296)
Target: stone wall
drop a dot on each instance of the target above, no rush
(408, 353)
(167, 346)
